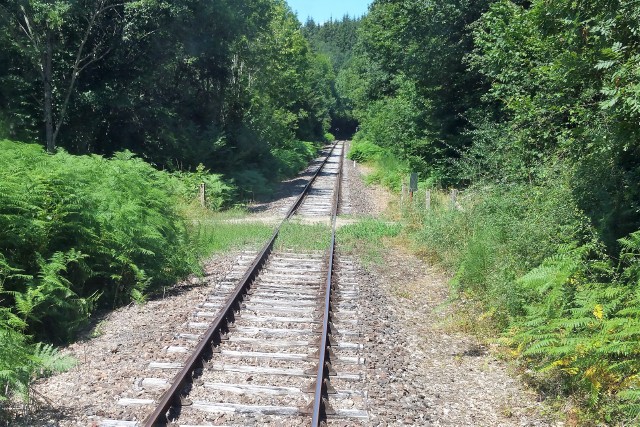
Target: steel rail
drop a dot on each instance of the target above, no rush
(302, 195)
(321, 388)
(172, 397)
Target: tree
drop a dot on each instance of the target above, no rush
(413, 53)
(62, 39)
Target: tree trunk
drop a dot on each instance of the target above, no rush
(48, 93)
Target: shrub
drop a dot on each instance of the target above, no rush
(532, 261)
(251, 184)
(218, 192)
(502, 233)
(20, 360)
(363, 151)
(79, 231)
(293, 157)
(582, 326)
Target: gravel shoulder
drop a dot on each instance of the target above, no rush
(112, 354)
(419, 372)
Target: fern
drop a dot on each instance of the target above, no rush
(48, 360)
(587, 331)
(21, 362)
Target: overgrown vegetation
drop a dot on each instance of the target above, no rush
(295, 236)
(173, 94)
(232, 85)
(79, 233)
(367, 238)
(531, 109)
(21, 361)
(533, 266)
(219, 235)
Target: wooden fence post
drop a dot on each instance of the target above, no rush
(454, 197)
(203, 194)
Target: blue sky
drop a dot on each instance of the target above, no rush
(322, 10)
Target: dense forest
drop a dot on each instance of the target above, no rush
(530, 108)
(217, 83)
(337, 40)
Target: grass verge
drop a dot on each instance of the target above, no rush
(368, 238)
(303, 237)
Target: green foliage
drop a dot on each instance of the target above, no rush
(363, 151)
(409, 84)
(371, 230)
(336, 40)
(301, 237)
(501, 233)
(214, 235)
(390, 172)
(79, 231)
(218, 193)
(529, 257)
(583, 325)
(294, 157)
(567, 94)
(252, 184)
(51, 297)
(219, 83)
(22, 362)
(367, 236)
(393, 124)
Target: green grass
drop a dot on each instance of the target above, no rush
(195, 213)
(302, 237)
(367, 238)
(213, 237)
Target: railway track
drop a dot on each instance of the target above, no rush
(277, 342)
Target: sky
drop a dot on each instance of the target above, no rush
(322, 10)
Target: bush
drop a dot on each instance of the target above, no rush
(82, 231)
(582, 327)
(251, 184)
(389, 172)
(21, 362)
(532, 261)
(328, 137)
(293, 157)
(217, 191)
(363, 151)
(502, 233)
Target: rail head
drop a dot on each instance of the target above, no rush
(304, 192)
(319, 410)
(185, 376)
(171, 397)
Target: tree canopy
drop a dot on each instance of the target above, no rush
(531, 107)
(182, 83)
